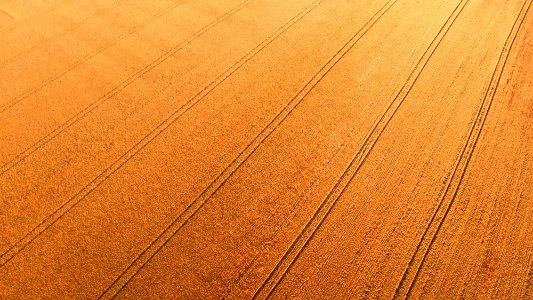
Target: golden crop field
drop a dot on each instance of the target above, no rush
(253, 149)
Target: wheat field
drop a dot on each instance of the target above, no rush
(253, 149)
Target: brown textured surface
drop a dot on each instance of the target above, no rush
(253, 148)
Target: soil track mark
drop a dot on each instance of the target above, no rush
(303, 238)
(428, 238)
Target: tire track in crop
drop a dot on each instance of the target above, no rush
(106, 46)
(122, 281)
(163, 125)
(6, 14)
(445, 203)
(279, 272)
(15, 25)
(89, 108)
(73, 27)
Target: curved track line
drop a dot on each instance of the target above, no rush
(88, 109)
(8, 28)
(193, 208)
(74, 26)
(280, 271)
(8, 105)
(72, 202)
(463, 161)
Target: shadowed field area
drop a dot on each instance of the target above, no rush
(253, 149)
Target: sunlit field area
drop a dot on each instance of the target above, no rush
(254, 149)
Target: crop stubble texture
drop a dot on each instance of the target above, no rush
(266, 149)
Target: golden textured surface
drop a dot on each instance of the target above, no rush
(301, 149)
